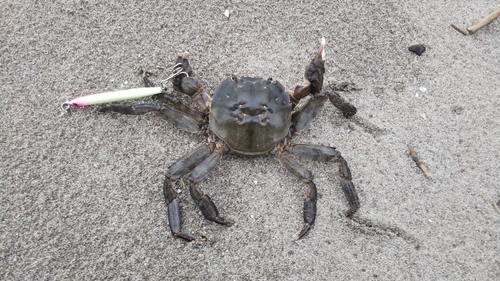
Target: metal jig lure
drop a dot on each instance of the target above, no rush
(122, 95)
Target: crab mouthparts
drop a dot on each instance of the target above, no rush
(259, 119)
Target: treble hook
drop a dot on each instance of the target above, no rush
(176, 71)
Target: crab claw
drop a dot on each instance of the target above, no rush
(321, 51)
(314, 74)
(316, 69)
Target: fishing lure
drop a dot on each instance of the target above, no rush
(121, 95)
(112, 97)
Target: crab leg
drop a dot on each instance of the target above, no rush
(178, 105)
(311, 195)
(302, 117)
(306, 114)
(179, 116)
(339, 102)
(206, 205)
(324, 154)
(176, 171)
(174, 214)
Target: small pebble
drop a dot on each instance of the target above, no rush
(417, 49)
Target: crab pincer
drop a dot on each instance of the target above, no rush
(314, 74)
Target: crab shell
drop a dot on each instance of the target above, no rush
(250, 114)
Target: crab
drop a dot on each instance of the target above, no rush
(246, 116)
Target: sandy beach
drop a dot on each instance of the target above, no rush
(81, 194)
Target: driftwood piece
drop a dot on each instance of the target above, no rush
(484, 21)
(421, 165)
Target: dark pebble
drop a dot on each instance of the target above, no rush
(417, 49)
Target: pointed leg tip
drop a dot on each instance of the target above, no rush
(351, 212)
(223, 221)
(184, 237)
(104, 108)
(303, 232)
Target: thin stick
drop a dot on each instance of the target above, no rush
(489, 18)
(459, 29)
(495, 204)
(421, 165)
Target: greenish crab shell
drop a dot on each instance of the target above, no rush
(250, 114)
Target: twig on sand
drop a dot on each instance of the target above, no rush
(459, 29)
(421, 165)
(495, 204)
(484, 21)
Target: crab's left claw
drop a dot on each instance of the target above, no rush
(189, 83)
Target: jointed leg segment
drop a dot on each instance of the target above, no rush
(183, 120)
(311, 195)
(207, 207)
(324, 154)
(200, 163)
(318, 153)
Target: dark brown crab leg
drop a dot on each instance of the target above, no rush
(182, 119)
(306, 114)
(176, 171)
(324, 154)
(200, 163)
(311, 195)
(171, 109)
(339, 102)
(203, 201)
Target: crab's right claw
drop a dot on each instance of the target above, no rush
(314, 74)
(316, 69)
